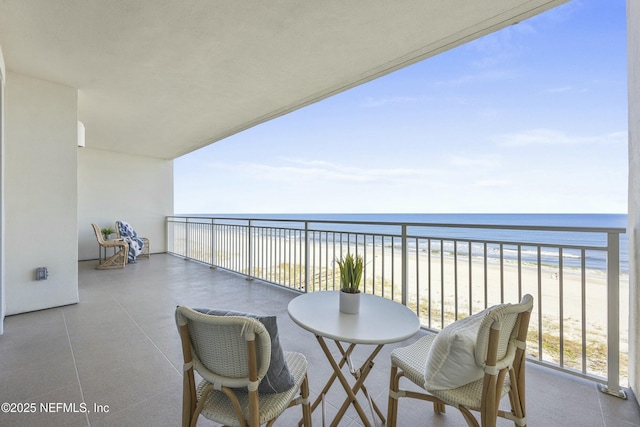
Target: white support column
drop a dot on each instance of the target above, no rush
(2, 301)
(633, 229)
(613, 317)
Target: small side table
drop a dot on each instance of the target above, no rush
(380, 321)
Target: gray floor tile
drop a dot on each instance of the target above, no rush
(119, 348)
(37, 378)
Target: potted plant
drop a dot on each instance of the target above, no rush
(351, 269)
(106, 232)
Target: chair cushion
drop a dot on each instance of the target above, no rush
(218, 407)
(451, 360)
(278, 377)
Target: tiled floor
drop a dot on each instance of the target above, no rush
(118, 352)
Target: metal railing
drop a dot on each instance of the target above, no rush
(445, 272)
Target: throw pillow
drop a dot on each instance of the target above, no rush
(451, 360)
(278, 377)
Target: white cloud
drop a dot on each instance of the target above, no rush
(556, 137)
(483, 77)
(492, 183)
(559, 89)
(475, 161)
(319, 171)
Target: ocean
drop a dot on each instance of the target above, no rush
(596, 259)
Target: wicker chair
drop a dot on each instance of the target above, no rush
(121, 251)
(232, 354)
(499, 350)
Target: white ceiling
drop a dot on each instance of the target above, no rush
(162, 78)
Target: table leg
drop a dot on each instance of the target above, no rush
(351, 397)
(360, 376)
(356, 374)
(333, 377)
(373, 404)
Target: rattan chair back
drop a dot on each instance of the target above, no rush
(499, 351)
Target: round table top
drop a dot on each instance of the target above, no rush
(380, 320)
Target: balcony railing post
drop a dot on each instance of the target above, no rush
(306, 256)
(170, 237)
(250, 250)
(186, 239)
(613, 317)
(213, 243)
(405, 265)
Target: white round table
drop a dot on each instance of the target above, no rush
(379, 322)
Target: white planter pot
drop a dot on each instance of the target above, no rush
(349, 303)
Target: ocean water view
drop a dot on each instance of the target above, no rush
(356, 223)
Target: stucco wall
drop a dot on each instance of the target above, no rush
(2, 298)
(113, 186)
(633, 28)
(40, 193)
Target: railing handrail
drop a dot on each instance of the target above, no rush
(558, 228)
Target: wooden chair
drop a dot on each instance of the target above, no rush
(499, 350)
(121, 251)
(232, 354)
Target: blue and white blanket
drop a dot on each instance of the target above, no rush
(129, 235)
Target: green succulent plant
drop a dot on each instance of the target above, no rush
(107, 231)
(351, 269)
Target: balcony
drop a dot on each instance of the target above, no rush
(118, 352)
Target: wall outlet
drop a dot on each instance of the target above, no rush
(42, 273)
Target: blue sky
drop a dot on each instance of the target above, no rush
(531, 119)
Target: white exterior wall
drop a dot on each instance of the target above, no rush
(2, 298)
(113, 186)
(40, 196)
(633, 28)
